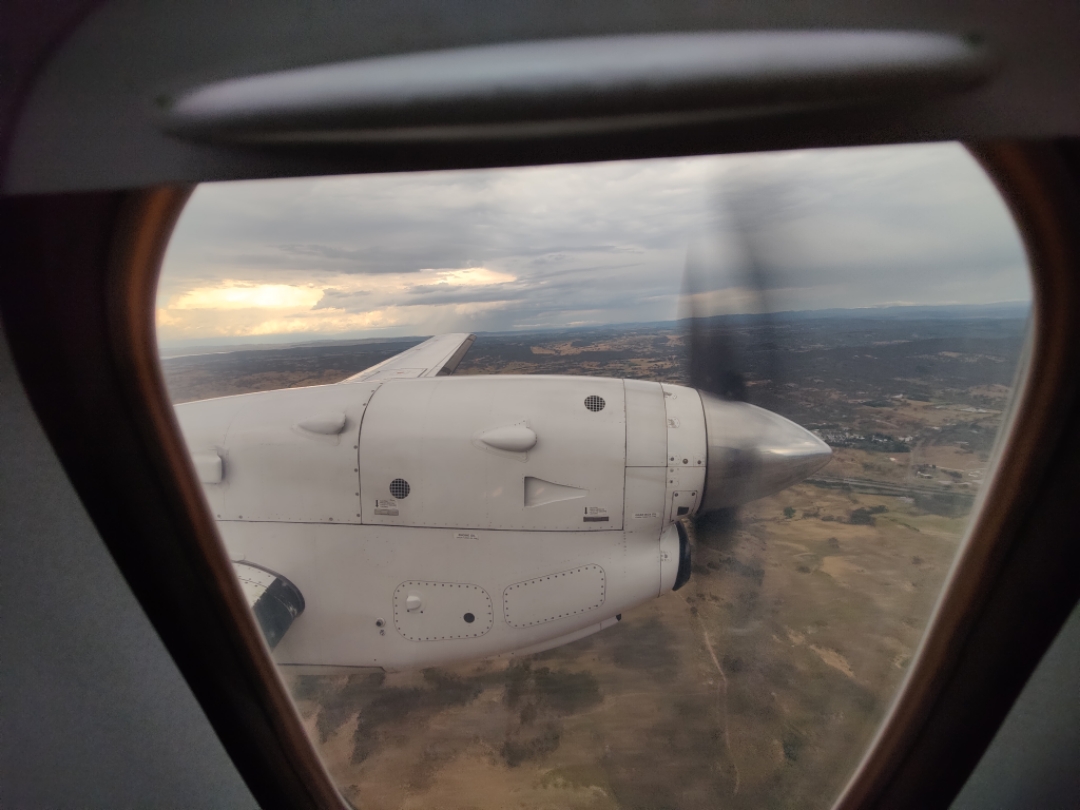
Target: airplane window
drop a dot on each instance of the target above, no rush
(629, 484)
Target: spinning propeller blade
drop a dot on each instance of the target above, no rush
(734, 360)
(731, 334)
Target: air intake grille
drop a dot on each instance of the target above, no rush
(594, 403)
(399, 488)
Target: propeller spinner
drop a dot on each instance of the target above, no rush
(753, 452)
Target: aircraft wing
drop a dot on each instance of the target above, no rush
(435, 357)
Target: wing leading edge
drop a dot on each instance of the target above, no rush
(435, 357)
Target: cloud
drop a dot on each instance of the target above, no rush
(242, 295)
(353, 300)
(471, 276)
(603, 243)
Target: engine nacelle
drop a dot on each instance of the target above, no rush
(449, 518)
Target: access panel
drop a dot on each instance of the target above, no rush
(534, 453)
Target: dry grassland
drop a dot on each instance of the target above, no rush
(758, 685)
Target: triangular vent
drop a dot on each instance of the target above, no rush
(539, 492)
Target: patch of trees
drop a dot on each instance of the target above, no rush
(543, 694)
(864, 515)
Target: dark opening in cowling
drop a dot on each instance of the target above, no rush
(683, 574)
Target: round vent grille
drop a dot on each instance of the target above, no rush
(594, 403)
(399, 488)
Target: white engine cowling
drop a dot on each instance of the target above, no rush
(448, 518)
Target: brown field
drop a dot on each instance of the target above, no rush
(757, 685)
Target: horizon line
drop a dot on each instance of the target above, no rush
(234, 343)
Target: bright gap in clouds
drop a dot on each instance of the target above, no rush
(240, 295)
(473, 277)
(550, 246)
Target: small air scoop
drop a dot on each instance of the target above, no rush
(539, 492)
(326, 424)
(514, 439)
(210, 466)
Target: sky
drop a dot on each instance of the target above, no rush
(555, 246)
